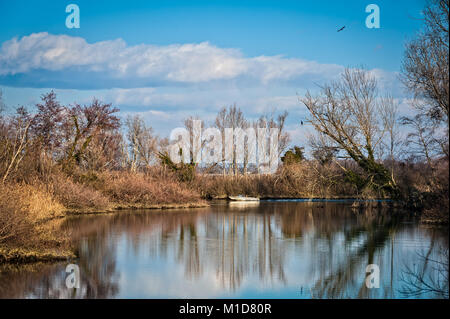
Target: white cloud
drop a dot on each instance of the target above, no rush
(177, 63)
(55, 52)
(166, 84)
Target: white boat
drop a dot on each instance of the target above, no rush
(241, 198)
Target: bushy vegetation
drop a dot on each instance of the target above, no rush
(299, 180)
(72, 159)
(28, 228)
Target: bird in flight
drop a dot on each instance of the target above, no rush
(341, 29)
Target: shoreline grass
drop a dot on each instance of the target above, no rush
(32, 212)
(120, 207)
(23, 255)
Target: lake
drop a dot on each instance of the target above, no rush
(270, 249)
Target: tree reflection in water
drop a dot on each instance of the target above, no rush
(279, 247)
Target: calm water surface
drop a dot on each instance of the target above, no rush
(241, 250)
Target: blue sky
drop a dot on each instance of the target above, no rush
(170, 59)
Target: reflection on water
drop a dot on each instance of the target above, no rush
(242, 250)
(243, 205)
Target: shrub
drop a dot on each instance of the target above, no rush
(24, 209)
(77, 195)
(145, 189)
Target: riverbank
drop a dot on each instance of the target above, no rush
(23, 255)
(40, 249)
(292, 181)
(31, 213)
(310, 180)
(119, 207)
(17, 254)
(433, 218)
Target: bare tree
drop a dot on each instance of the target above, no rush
(389, 116)
(220, 123)
(104, 151)
(271, 121)
(15, 148)
(323, 148)
(425, 72)
(85, 123)
(142, 142)
(231, 117)
(421, 141)
(48, 124)
(2, 104)
(348, 112)
(425, 68)
(191, 127)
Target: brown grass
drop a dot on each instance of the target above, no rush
(30, 229)
(298, 180)
(436, 208)
(28, 224)
(75, 196)
(145, 189)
